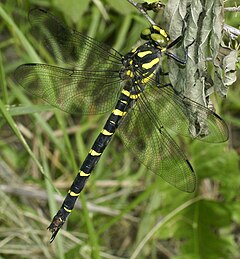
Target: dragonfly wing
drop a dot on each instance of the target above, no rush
(70, 90)
(154, 147)
(71, 46)
(184, 116)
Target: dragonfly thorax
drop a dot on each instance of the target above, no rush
(140, 63)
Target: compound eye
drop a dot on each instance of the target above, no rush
(145, 34)
(159, 39)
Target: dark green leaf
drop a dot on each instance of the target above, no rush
(73, 9)
(121, 7)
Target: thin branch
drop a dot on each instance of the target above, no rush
(32, 192)
(233, 32)
(232, 9)
(141, 9)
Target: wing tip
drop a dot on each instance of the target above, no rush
(37, 9)
(19, 72)
(191, 184)
(33, 12)
(190, 166)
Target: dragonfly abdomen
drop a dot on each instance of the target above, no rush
(92, 159)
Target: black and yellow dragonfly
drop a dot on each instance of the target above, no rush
(100, 80)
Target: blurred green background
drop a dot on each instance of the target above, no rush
(125, 211)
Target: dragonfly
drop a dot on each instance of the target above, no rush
(143, 110)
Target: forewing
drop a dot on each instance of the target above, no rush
(71, 90)
(153, 146)
(71, 46)
(184, 116)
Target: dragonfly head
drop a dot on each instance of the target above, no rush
(157, 36)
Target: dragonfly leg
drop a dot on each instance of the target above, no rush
(159, 74)
(175, 42)
(180, 60)
(178, 40)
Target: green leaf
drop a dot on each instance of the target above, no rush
(73, 9)
(122, 7)
(201, 226)
(218, 163)
(200, 24)
(225, 70)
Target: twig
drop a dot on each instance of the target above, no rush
(233, 32)
(232, 9)
(140, 8)
(32, 192)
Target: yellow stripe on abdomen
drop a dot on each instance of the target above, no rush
(118, 112)
(83, 174)
(125, 92)
(94, 153)
(134, 96)
(106, 132)
(67, 210)
(125, 102)
(71, 193)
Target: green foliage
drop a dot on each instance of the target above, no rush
(72, 8)
(125, 211)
